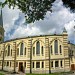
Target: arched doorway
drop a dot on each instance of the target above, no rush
(21, 67)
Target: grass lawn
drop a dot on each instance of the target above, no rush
(45, 74)
(1, 74)
(53, 73)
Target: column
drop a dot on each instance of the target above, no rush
(59, 63)
(54, 64)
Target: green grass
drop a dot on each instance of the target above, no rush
(1, 74)
(45, 74)
(60, 73)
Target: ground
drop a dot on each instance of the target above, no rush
(7, 73)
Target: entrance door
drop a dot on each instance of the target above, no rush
(73, 67)
(21, 66)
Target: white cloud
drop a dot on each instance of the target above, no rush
(60, 17)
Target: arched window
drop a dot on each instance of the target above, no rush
(8, 50)
(38, 47)
(21, 48)
(56, 46)
(60, 49)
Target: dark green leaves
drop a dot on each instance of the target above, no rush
(69, 3)
(33, 9)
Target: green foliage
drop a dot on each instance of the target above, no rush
(69, 3)
(33, 9)
(1, 74)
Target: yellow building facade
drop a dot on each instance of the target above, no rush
(35, 54)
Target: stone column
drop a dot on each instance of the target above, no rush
(14, 56)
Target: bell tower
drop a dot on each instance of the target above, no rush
(1, 27)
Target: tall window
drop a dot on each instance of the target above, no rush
(60, 49)
(9, 50)
(21, 49)
(37, 64)
(33, 64)
(56, 46)
(25, 64)
(42, 50)
(42, 64)
(61, 64)
(56, 64)
(38, 47)
(7, 63)
(51, 63)
(51, 49)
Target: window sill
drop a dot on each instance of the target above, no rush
(37, 54)
(56, 54)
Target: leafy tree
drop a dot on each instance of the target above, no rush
(69, 3)
(36, 9)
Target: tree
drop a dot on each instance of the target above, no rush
(69, 3)
(36, 9)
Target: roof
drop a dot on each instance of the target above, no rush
(32, 37)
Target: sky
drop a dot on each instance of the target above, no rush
(15, 26)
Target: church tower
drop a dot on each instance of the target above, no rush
(1, 27)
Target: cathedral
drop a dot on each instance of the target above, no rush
(36, 54)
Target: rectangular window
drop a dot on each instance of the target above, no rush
(56, 64)
(37, 64)
(42, 64)
(33, 64)
(25, 64)
(61, 63)
(51, 63)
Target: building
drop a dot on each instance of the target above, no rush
(35, 54)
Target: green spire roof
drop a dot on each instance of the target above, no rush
(1, 19)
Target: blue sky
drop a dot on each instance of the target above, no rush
(15, 26)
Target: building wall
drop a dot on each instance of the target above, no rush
(58, 62)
